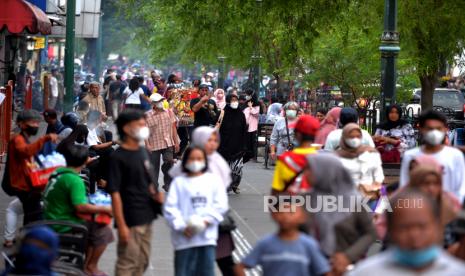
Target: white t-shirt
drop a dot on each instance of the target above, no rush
(453, 163)
(365, 169)
(334, 138)
(384, 264)
(133, 97)
(54, 86)
(204, 196)
(92, 137)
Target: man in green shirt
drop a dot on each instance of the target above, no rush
(65, 197)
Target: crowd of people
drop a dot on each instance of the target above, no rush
(200, 140)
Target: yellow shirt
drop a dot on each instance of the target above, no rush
(283, 173)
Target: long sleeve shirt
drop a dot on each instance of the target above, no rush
(203, 196)
(252, 115)
(19, 153)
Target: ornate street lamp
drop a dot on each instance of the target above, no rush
(221, 72)
(389, 50)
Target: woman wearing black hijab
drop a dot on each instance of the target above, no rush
(394, 136)
(233, 133)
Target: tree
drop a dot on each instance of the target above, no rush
(347, 54)
(432, 34)
(280, 31)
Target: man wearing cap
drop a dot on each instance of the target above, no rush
(95, 100)
(163, 141)
(20, 151)
(204, 108)
(288, 175)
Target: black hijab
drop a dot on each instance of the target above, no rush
(233, 132)
(393, 124)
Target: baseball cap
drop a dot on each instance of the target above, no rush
(155, 97)
(51, 113)
(307, 125)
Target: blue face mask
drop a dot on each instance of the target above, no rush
(416, 258)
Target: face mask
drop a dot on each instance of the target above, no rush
(142, 134)
(220, 96)
(31, 130)
(353, 142)
(434, 137)
(196, 166)
(416, 258)
(159, 105)
(234, 105)
(291, 113)
(248, 98)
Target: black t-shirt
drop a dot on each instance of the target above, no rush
(116, 90)
(207, 115)
(128, 177)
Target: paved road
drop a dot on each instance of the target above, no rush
(247, 209)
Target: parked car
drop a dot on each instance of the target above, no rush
(451, 102)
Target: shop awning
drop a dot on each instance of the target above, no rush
(19, 15)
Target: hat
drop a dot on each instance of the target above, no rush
(28, 115)
(307, 125)
(155, 97)
(51, 113)
(203, 85)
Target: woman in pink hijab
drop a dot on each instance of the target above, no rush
(329, 124)
(219, 98)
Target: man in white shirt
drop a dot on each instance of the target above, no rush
(433, 127)
(53, 89)
(348, 115)
(415, 230)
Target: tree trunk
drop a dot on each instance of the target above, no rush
(428, 84)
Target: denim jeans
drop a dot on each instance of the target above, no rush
(195, 261)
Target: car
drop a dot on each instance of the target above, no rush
(451, 102)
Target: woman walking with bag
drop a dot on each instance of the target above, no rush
(233, 129)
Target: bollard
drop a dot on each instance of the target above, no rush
(46, 91)
(28, 96)
(5, 118)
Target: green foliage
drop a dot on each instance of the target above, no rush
(280, 31)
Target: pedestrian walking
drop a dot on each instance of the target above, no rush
(220, 98)
(287, 252)
(433, 127)
(207, 138)
(233, 131)
(20, 152)
(362, 162)
(163, 141)
(205, 109)
(414, 249)
(327, 125)
(348, 115)
(194, 207)
(129, 184)
(282, 137)
(53, 89)
(288, 173)
(252, 114)
(133, 95)
(95, 100)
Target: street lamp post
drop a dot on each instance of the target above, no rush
(221, 72)
(389, 50)
(256, 57)
(69, 53)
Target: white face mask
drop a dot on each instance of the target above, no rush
(353, 142)
(434, 137)
(195, 166)
(291, 113)
(234, 105)
(159, 105)
(142, 134)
